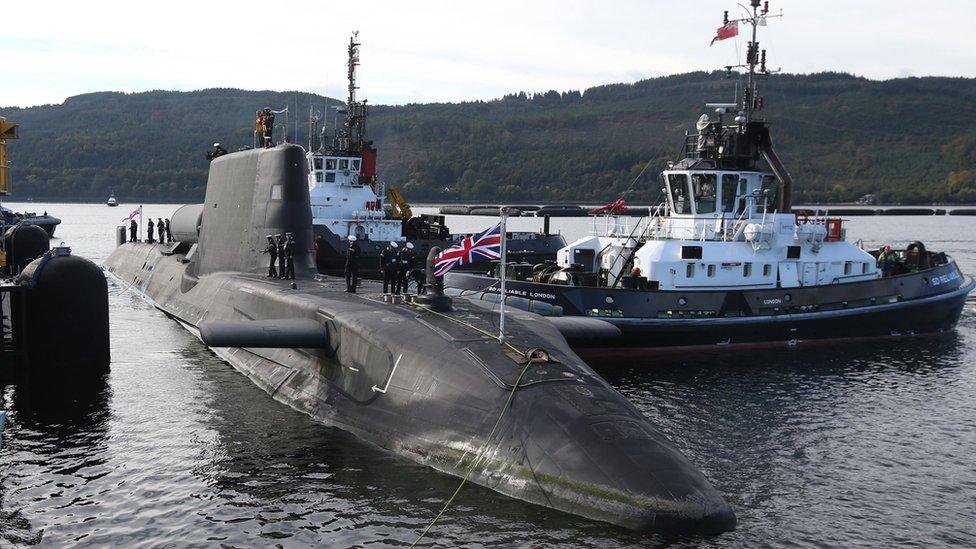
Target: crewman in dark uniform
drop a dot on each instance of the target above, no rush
(388, 265)
(281, 255)
(268, 127)
(289, 257)
(272, 251)
(161, 230)
(407, 259)
(352, 265)
(149, 231)
(169, 235)
(133, 231)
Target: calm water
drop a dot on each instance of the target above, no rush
(847, 446)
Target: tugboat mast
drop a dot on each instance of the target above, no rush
(353, 131)
(754, 57)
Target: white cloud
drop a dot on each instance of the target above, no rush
(449, 51)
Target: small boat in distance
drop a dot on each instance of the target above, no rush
(112, 202)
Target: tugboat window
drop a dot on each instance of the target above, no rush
(318, 163)
(703, 187)
(276, 192)
(728, 192)
(354, 164)
(747, 270)
(318, 177)
(330, 163)
(343, 164)
(330, 177)
(680, 203)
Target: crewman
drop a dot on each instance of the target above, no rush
(281, 255)
(352, 265)
(259, 126)
(406, 265)
(272, 251)
(268, 126)
(420, 277)
(161, 230)
(886, 260)
(388, 265)
(169, 235)
(149, 231)
(133, 230)
(289, 257)
(216, 152)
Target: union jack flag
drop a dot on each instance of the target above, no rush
(485, 246)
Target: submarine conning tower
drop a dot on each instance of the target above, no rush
(251, 194)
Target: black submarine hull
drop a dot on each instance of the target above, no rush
(427, 386)
(653, 321)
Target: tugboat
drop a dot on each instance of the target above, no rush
(112, 202)
(348, 199)
(726, 262)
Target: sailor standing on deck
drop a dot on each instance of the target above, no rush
(149, 231)
(289, 257)
(281, 255)
(133, 231)
(272, 251)
(269, 117)
(169, 235)
(161, 230)
(407, 259)
(388, 265)
(352, 265)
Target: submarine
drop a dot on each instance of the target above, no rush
(527, 418)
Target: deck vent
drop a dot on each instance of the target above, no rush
(691, 252)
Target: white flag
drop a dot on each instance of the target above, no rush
(131, 216)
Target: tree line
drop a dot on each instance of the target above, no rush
(905, 140)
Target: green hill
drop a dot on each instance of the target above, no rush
(906, 140)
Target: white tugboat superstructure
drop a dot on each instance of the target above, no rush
(347, 197)
(726, 261)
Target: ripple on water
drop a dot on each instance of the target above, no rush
(861, 445)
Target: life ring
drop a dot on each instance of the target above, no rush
(801, 217)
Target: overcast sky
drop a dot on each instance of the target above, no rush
(420, 51)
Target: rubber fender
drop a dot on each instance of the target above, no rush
(279, 333)
(585, 331)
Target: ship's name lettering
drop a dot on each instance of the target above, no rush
(525, 293)
(945, 279)
(774, 301)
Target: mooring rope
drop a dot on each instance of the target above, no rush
(479, 455)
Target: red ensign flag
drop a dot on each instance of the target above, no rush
(727, 30)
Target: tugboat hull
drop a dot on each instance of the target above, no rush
(924, 302)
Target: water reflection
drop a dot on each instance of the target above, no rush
(64, 421)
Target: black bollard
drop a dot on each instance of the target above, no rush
(434, 298)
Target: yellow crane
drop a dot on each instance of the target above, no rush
(8, 130)
(401, 210)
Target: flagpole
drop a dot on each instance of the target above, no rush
(504, 253)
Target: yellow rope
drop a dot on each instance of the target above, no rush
(484, 447)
